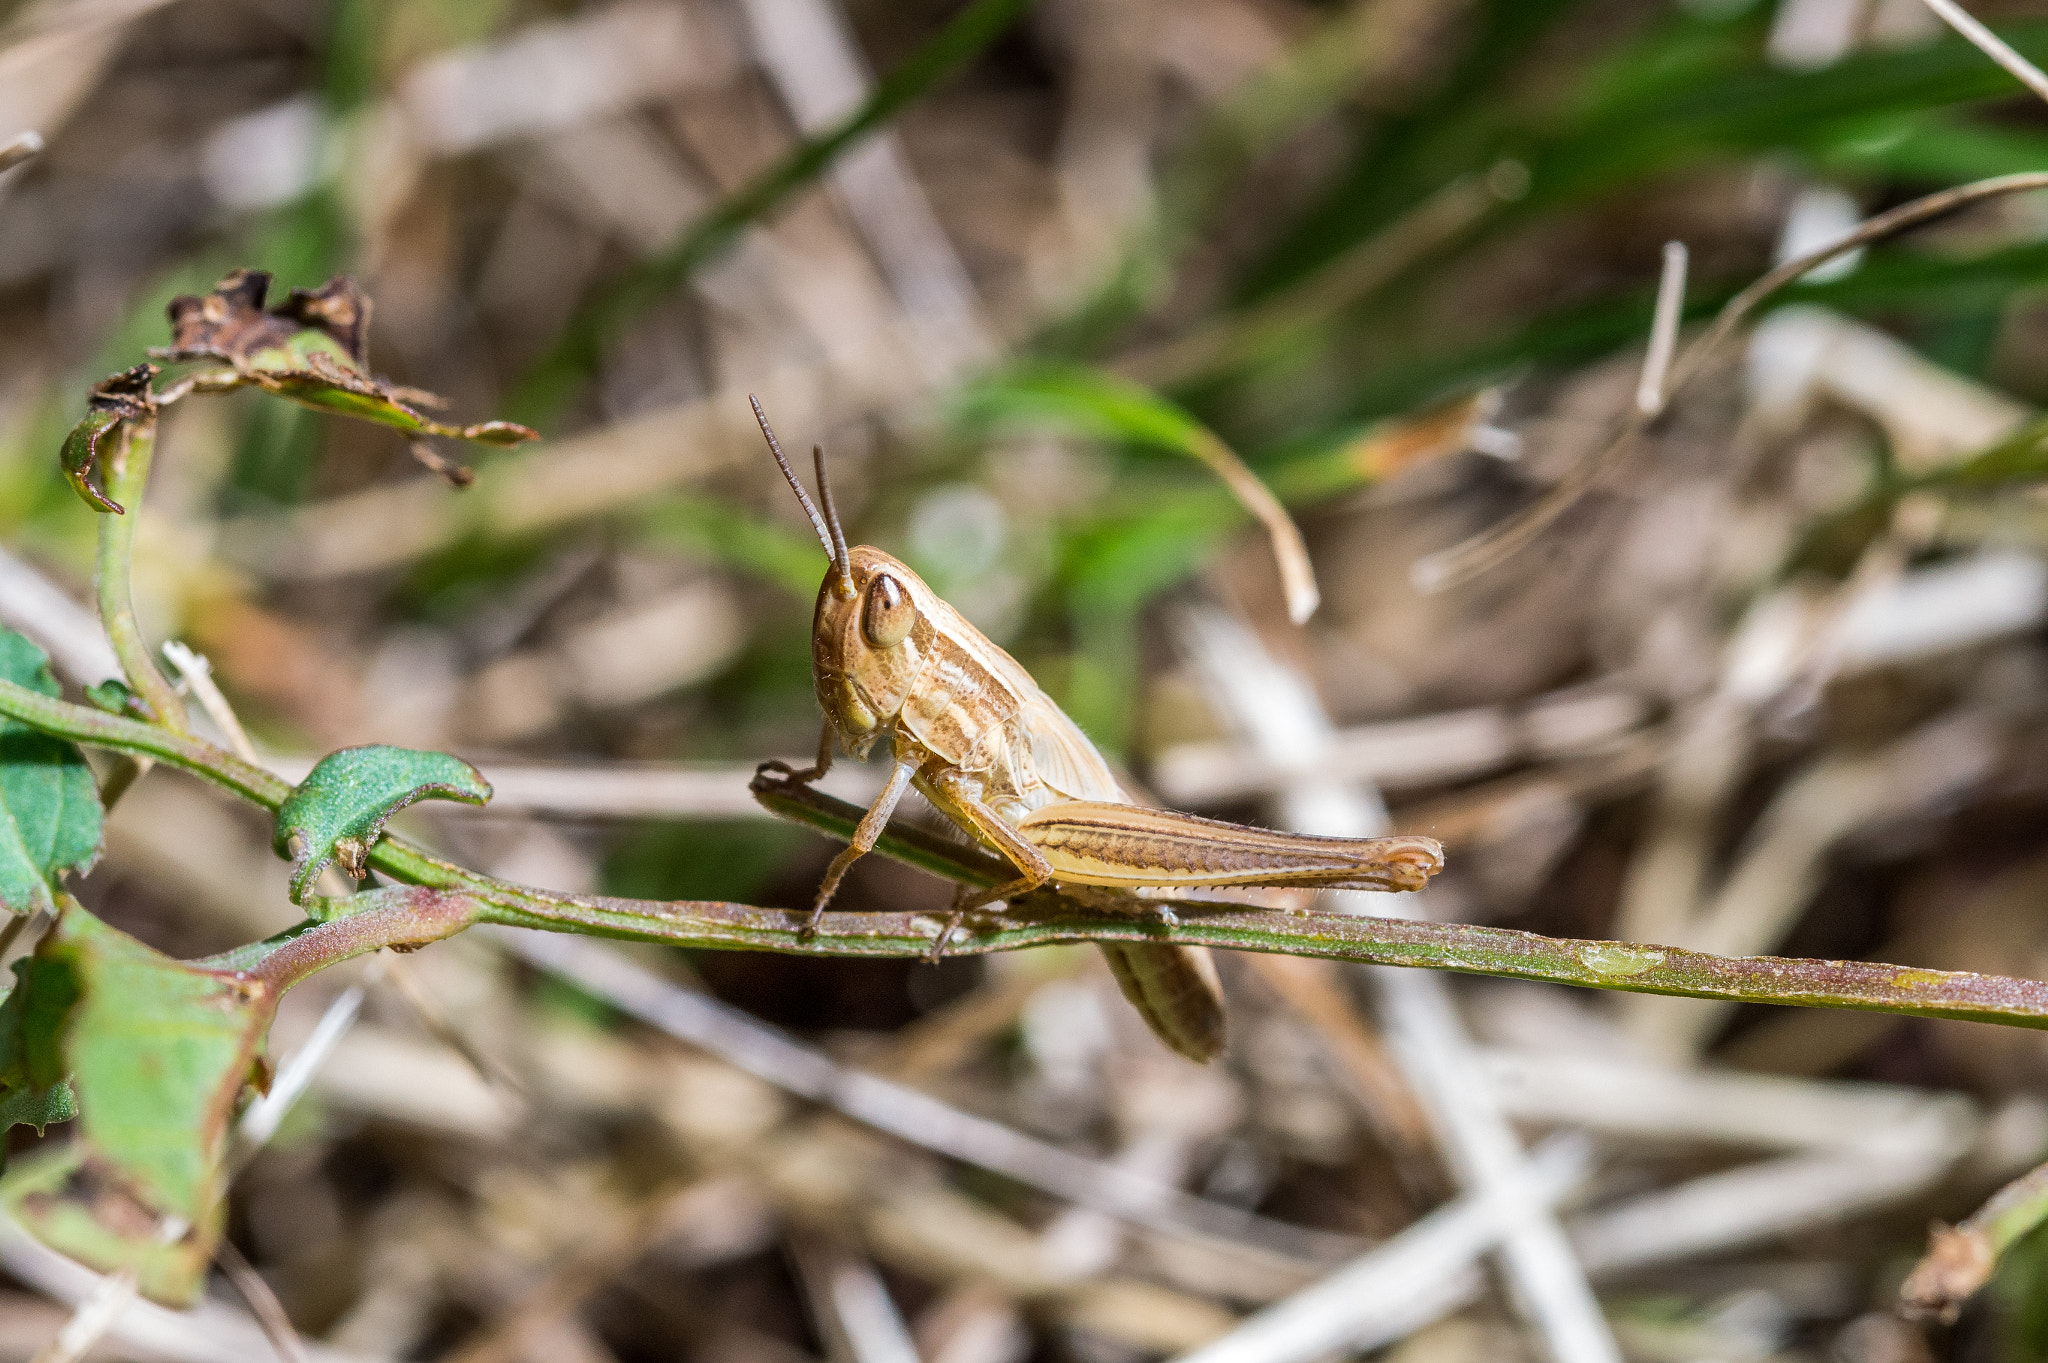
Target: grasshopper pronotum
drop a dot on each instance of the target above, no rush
(971, 730)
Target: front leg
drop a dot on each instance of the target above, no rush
(826, 748)
(865, 835)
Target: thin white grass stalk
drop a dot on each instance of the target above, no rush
(109, 1300)
(910, 1114)
(94, 1316)
(851, 1305)
(1414, 1279)
(1278, 711)
(394, 971)
(24, 147)
(1663, 330)
(1991, 45)
(198, 676)
(37, 607)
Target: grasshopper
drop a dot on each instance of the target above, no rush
(974, 734)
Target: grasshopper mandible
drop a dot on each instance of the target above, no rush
(975, 735)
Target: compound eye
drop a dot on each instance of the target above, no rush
(887, 615)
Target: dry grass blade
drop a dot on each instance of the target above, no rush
(210, 1333)
(851, 1305)
(1663, 330)
(1281, 713)
(37, 607)
(1991, 45)
(260, 1120)
(197, 674)
(95, 1315)
(909, 1114)
(1366, 267)
(1297, 574)
(263, 1303)
(1465, 561)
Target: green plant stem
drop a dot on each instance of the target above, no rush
(1045, 919)
(965, 37)
(126, 476)
(403, 917)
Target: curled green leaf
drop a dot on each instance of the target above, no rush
(114, 696)
(337, 813)
(115, 399)
(34, 1087)
(49, 807)
(313, 349)
(40, 1108)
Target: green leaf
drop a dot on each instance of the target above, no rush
(114, 696)
(738, 540)
(33, 1087)
(77, 1203)
(37, 1107)
(158, 1052)
(338, 811)
(118, 398)
(1106, 407)
(49, 807)
(1087, 401)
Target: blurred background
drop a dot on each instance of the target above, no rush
(1780, 684)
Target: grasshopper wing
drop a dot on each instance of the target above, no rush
(1061, 755)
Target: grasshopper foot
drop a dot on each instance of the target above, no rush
(775, 771)
(953, 922)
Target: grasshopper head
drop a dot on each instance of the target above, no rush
(873, 626)
(869, 644)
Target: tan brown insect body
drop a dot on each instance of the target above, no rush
(971, 730)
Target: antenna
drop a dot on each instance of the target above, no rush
(842, 557)
(835, 549)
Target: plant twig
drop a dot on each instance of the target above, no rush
(127, 473)
(1960, 1258)
(1044, 919)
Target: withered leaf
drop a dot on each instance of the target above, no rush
(117, 398)
(311, 348)
(229, 323)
